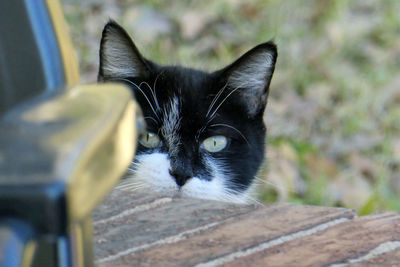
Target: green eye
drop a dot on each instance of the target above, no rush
(149, 140)
(215, 143)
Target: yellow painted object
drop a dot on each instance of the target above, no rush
(95, 144)
(70, 62)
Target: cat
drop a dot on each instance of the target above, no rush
(205, 135)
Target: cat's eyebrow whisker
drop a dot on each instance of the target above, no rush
(216, 98)
(154, 87)
(151, 118)
(233, 128)
(215, 111)
(151, 105)
(152, 90)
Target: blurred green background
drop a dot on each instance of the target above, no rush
(333, 115)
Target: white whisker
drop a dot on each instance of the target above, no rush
(130, 185)
(151, 106)
(151, 118)
(215, 111)
(154, 88)
(215, 99)
(153, 93)
(281, 188)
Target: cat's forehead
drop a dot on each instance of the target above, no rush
(182, 92)
(172, 96)
(181, 82)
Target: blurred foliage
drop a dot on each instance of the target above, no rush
(333, 115)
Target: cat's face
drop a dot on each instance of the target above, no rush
(205, 134)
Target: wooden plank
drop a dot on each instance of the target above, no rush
(337, 244)
(146, 225)
(230, 235)
(391, 258)
(118, 201)
(151, 230)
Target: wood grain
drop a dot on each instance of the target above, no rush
(152, 230)
(338, 244)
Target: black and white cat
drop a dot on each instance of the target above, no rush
(205, 133)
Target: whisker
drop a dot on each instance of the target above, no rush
(151, 118)
(133, 189)
(215, 111)
(236, 195)
(152, 92)
(253, 200)
(151, 106)
(264, 181)
(124, 186)
(215, 99)
(127, 186)
(126, 181)
(154, 87)
(130, 185)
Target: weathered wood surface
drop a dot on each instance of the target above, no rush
(143, 230)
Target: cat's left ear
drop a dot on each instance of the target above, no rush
(250, 76)
(119, 57)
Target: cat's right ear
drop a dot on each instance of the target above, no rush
(119, 57)
(250, 76)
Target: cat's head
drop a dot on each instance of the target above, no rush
(205, 133)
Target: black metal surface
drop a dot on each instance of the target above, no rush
(42, 205)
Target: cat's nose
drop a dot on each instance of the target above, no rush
(181, 176)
